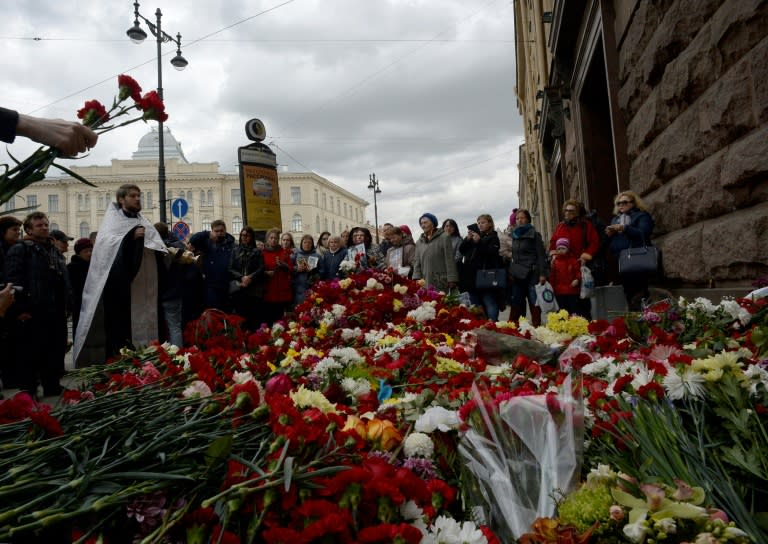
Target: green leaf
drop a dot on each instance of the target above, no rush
(73, 174)
(219, 450)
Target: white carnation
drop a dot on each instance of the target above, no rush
(418, 445)
(197, 388)
(356, 387)
(242, 377)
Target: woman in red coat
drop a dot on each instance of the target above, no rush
(278, 271)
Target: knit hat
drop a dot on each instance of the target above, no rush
(429, 216)
(83, 243)
(563, 242)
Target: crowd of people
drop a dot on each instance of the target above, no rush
(133, 282)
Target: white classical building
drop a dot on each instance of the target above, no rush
(309, 203)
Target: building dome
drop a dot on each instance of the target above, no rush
(149, 146)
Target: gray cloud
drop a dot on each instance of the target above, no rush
(422, 93)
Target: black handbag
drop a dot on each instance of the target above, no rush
(639, 260)
(519, 271)
(491, 278)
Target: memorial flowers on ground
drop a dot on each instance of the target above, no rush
(352, 421)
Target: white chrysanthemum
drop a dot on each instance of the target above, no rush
(305, 398)
(197, 388)
(328, 319)
(373, 336)
(279, 342)
(498, 370)
(349, 334)
(410, 511)
(326, 365)
(425, 312)
(356, 387)
(338, 310)
(549, 337)
(437, 417)
(448, 531)
(347, 355)
(601, 475)
(242, 377)
(684, 383)
(418, 445)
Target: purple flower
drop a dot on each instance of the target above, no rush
(148, 511)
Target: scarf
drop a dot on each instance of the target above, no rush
(521, 230)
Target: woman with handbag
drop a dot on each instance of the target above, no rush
(631, 227)
(529, 265)
(483, 266)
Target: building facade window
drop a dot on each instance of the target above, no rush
(31, 200)
(317, 223)
(357, 217)
(237, 225)
(295, 195)
(210, 198)
(207, 223)
(296, 223)
(150, 203)
(326, 225)
(189, 198)
(345, 210)
(80, 206)
(333, 226)
(53, 203)
(53, 226)
(202, 199)
(85, 230)
(338, 206)
(11, 204)
(325, 202)
(317, 198)
(235, 193)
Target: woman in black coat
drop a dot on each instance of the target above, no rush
(246, 270)
(480, 249)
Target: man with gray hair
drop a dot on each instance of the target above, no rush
(122, 283)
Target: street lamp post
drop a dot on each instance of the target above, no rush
(137, 35)
(373, 184)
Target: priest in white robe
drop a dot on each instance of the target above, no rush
(120, 300)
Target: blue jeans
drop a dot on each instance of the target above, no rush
(172, 314)
(522, 290)
(486, 299)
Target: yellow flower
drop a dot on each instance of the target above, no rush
(450, 366)
(304, 398)
(318, 301)
(345, 283)
(448, 339)
(397, 304)
(322, 331)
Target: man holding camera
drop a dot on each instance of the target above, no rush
(40, 308)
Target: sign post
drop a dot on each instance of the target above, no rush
(259, 190)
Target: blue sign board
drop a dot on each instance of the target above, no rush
(179, 207)
(181, 230)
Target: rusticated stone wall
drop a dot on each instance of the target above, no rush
(694, 96)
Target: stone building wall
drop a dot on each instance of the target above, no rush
(693, 78)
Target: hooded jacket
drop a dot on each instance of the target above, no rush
(434, 262)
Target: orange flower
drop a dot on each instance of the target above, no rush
(549, 531)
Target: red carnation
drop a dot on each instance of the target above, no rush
(128, 87)
(152, 106)
(92, 112)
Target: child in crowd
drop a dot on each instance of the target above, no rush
(565, 276)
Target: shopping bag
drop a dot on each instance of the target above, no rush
(545, 299)
(587, 283)
(492, 278)
(639, 260)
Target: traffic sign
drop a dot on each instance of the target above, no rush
(179, 207)
(181, 229)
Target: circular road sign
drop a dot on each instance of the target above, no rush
(181, 230)
(179, 207)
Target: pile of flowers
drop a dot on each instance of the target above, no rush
(355, 420)
(94, 115)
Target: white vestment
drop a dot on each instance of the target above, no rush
(144, 287)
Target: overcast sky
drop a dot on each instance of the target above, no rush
(421, 92)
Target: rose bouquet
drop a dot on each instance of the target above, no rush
(97, 117)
